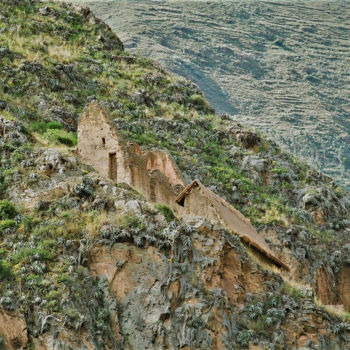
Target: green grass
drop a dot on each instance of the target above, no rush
(198, 150)
(53, 131)
(279, 170)
(11, 157)
(128, 221)
(43, 127)
(58, 136)
(294, 292)
(323, 236)
(166, 211)
(45, 251)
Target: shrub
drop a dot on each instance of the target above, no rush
(166, 211)
(255, 310)
(7, 223)
(29, 221)
(85, 189)
(279, 42)
(279, 170)
(128, 221)
(339, 192)
(38, 127)
(197, 100)
(287, 288)
(200, 103)
(7, 210)
(5, 271)
(42, 127)
(54, 125)
(243, 337)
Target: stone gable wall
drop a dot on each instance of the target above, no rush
(151, 172)
(93, 127)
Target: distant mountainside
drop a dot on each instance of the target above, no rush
(281, 67)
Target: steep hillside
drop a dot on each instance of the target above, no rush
(281, 67)
(88, 263)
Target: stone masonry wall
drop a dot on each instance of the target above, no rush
(153, 173)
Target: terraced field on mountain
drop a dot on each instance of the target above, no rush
(281, 67)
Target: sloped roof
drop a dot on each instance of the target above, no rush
(234, 221)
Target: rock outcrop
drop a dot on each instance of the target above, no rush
(13, 330)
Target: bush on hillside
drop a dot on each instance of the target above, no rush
(7, 210)
(7, 224)
(61, 136)
(5, 271)
(197, 100)
(42, 127)
(166, 211)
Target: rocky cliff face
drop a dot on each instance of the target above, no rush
(88, 263)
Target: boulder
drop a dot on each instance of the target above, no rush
(255, 163)
(133, 206)
(13, 330)
(12, 132)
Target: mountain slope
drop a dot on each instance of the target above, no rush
(88, 263)
(281, 67)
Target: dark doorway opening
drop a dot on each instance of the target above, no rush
(182, 201)
(112, 166)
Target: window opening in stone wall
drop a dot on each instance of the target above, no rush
(182, 201)
(103, 142)
(112, 166)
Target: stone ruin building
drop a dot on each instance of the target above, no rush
(198, 200)
(154, 174)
